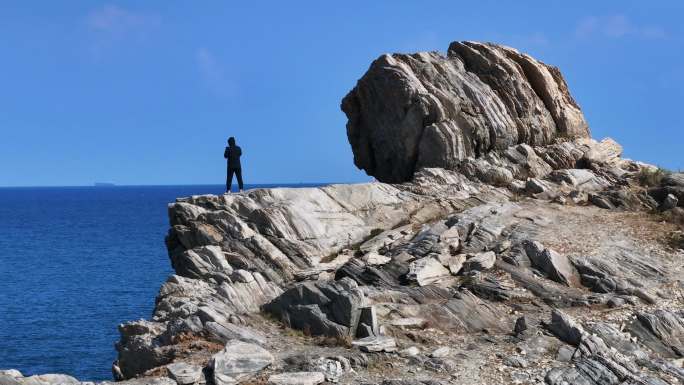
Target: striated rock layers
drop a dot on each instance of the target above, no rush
(520, 251)
(428, 110)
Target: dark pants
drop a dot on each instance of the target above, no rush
(229, 178)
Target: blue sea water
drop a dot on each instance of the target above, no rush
(74, 263)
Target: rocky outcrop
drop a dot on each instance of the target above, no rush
(428, 110)
(507, 212)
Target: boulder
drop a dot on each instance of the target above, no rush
(139, 348)
(601, 201)
(455, 263)
(426, 271)
(185, 374)
(520, 325)
(368, 319)
(297, 378)
(323, 308)
(669, 203)
(239, 361)
(373, 259)
(428, 110)
(555, 265)
(565, 328)
(332, 369)
(535, 186)
(479, 262)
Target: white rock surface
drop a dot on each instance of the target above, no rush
(239, 361)
(297, 378)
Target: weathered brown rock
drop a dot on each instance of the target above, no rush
(428, 110)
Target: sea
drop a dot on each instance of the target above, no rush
(75, 262)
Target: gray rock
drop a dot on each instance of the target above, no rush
(376, 344)
(409, 322)
(185, 374)
(48, 379)
(669, 203)
(515, 362)
(440, 352)
(455, 263)
(202, 262)
(139, 349)
(325, 308)
(375, 259)
(565, 328)
(239, 361)
(332, 369)
(369, 318)
(444, 109)
(479, 262)
(615, 302)
(298, 378)
(565, 353)
(228, 331)
(520, 325)
(600, 201)
(142, 381)
(661, 330)
(557, 266)
(426, 271)
(535, 186)
(8, 379)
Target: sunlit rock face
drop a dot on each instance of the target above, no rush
(411, 111)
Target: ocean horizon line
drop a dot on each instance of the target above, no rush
(251, 185)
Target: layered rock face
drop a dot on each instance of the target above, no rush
(428, 110)
(531, 254)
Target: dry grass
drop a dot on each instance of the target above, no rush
(651, 178)
(345, 341)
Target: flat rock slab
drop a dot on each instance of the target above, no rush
(297, 378)
(184, 373)
(238, 361)
(409, 323)
(376, 344)
(227, 331)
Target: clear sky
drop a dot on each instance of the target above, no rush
(147, 92)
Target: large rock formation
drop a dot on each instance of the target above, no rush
(511, 213)
(428, 110)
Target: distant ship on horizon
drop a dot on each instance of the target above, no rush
(104, 184)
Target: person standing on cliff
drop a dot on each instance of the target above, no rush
(232, 154)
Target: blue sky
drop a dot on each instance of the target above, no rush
(148, 92)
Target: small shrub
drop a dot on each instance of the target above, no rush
(375, 232)
(651, 177)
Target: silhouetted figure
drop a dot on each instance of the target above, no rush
(233, 153)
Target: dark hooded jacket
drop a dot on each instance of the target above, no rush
(232, 153)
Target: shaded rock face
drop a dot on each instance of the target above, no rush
(428, 110)
(331, 309)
